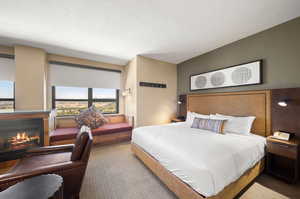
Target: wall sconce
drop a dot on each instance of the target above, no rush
(283, 103)
(126, 92)
(181, 106)
(181, 99)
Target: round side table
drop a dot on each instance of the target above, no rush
(39, 187)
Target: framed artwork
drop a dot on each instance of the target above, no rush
(238, 75)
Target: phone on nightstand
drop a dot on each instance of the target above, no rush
(281, 135)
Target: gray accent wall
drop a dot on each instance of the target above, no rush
(278, 47)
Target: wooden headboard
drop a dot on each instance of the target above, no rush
(249, 103)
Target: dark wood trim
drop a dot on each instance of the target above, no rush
(283, 159)
(90, 97)
(7, 56)
(53, 97)
(153, 85)
(23, 115)
(102, 139)
(14, 95)
(71, 100)
(105, 100)
(286, 118)
(87, 100)
(84, 66)
(118, 100)
(7, 99)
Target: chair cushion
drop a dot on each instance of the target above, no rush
(63, 134)
(71, 133)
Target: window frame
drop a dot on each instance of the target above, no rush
(8, 56)
(90, 100)
(11, 99)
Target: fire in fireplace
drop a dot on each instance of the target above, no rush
(22, 140)
(16, 136)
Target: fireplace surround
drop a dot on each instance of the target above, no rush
(20, 131)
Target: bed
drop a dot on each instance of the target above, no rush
(177, 154)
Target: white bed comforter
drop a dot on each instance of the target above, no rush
(206, 161)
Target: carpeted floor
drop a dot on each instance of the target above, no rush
(115, 173)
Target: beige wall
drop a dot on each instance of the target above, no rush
(131, 83)
(148, 105)
(153, 105)
(33, 90)
(30, 80)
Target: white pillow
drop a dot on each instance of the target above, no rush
(190, 116)
(239, 125)
(198, 115)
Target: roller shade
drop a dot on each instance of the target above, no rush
(7, 69)
(68, 75)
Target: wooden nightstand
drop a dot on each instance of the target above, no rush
(173, 120)
(283, 159)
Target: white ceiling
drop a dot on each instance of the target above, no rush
(115, 31)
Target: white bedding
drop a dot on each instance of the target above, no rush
(206, 161)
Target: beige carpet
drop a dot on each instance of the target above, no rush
(115, 173)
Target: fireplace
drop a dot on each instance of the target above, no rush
(17, 134)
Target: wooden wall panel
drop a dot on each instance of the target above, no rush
(286, 118)
(250, 103)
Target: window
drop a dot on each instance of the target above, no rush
(105, 100)
(70, 100)
(7, 99)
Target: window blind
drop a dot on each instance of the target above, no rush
(74, 76)
(7, 69)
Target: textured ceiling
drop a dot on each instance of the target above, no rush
(114, 31)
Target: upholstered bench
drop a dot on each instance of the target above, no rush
(118, 128)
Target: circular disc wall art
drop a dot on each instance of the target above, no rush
(241, 75)
(238, 75)
(218, 79)
(201, 81)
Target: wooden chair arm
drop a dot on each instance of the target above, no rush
(50, 149)
(11, 178)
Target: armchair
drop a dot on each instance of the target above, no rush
(68, 161)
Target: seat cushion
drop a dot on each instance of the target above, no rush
(112, 128)
(63, 134)
(71, 133)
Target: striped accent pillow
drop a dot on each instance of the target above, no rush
(208, 124)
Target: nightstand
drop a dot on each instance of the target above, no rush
(174, 120)
(283, 159)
